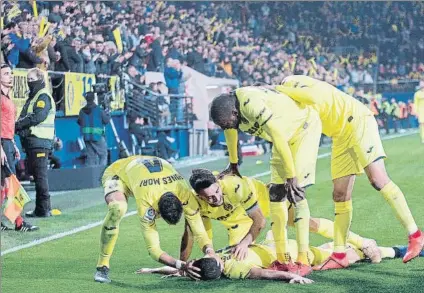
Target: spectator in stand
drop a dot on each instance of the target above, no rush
(175, 52)
(89, 65)
(54, 16)
(140, 128)
(195, 59)
(155, 59)
(76, 61)
(173, 76)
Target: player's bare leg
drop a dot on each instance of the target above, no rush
(342, 196)
(117, 207)
(380, 180)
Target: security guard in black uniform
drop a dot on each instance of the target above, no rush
(92, 119)
(35, 127)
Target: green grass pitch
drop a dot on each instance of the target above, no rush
(68, 264)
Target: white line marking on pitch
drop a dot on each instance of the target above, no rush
(93, 225)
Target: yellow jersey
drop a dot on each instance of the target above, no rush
(241, 195)
(258, 256)
(335, 107)
(419, 104)
(261, 107)
(147, 179)
(272, 116)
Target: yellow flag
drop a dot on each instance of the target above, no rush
(1, 22)
(336, 74)
(312, 60)
(34, 8)
(46, 29)
(118, 40)
(42, 23)
(16, 199)
(171, 19)
(213, 19)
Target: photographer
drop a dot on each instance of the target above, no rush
(92, 120)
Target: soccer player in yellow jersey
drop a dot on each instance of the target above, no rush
(241, 204)
(295, 132)
(259, 256)
(159, 191)
(234, 202)
(419, 106)
(356, 146)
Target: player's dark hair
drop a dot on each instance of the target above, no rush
(4, 65)
(210, 270)
(222, 108)
(170, 208)
(201, 179)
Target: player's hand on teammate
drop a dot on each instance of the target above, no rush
(301, 280)
(232, 169)
(190, 271)
(294, 192)
(241, 250)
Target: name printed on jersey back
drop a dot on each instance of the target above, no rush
(162, 181)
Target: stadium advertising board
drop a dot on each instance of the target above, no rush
(76, 85)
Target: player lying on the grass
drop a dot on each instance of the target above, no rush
(356, 146)
(295, 132)
(159, 191)
(240, 205)
(260, 256)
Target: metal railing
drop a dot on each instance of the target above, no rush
(142, 101)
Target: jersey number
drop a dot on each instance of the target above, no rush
(153, 165)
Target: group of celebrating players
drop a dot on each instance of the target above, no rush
(292, 117)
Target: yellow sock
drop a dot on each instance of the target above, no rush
(279, 217)
(387, 252)
(326, 229)
(301, 222)
(394, 196)
(110, 231)
(320, 255)
(342, 220)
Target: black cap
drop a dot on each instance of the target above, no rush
(89, 96)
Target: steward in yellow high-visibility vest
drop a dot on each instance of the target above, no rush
(35, 127)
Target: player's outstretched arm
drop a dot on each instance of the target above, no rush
(231, 137)
(165, 270)
(186, 243)
(264, 274)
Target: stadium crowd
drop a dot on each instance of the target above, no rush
(334, 41)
